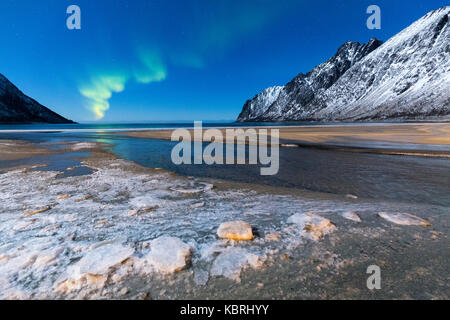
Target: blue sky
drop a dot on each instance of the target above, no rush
(167, 60)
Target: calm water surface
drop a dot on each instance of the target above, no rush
(376, 176)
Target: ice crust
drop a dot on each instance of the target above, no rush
(87, 240)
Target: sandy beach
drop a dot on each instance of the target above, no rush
(427, 133)
(103, 234)
(426, 139)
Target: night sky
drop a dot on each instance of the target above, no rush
(180, 60)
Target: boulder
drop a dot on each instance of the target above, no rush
(350, 215)
(314, 226)
(235, 230)
(404, 219)
(93, 269)
(233, 260)
(169, 254)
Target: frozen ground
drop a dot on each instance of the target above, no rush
(127, 232)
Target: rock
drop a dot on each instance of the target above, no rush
(231, 262)
(235, 230)
(32, 213)
(147, 209)
(133, 212)
(314, 225)
(404, 219)
(93, 281)
(48, 257)
(99, 260)
(116, 278)
(197, 205)
(23, 225)
(49, 228)
(350, 215)
(93, 269)
(169, 254)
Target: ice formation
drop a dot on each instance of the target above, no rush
(314, 226)
(235, 230)
(121, 221)
(405, 219)
(169, 254)
(351, 215)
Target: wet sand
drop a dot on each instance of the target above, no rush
(123, 206)
(13, 150)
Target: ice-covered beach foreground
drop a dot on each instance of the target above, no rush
(128, 232)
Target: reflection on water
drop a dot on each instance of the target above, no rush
(409, 179)
(49, 162)
(398, 178)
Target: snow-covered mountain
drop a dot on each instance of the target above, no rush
(260, 103)
(16, 107)
(407, 77)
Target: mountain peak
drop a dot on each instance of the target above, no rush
(16, 107)
(407, 77)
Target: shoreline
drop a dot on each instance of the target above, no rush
(426, 140)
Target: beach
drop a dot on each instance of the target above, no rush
(416, 133)
(82, 221)
(429, 139)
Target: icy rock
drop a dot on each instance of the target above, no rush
(235, 230)
(169, 254)
(32, 213)
(405, 219)
(197, 205)
(23, 225)
(133, 212)
(92, 281)
(100, 259)
(350, 215)
(51, 227)
(231, 262)
(48, 257)
(92, 270)
(314, 225)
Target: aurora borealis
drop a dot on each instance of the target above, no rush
(101, 87)
(169, 60)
